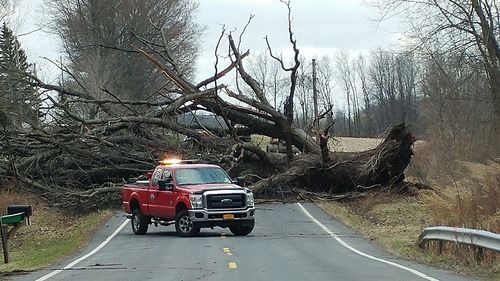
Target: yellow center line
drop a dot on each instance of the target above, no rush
(232, 265)
(227, 251)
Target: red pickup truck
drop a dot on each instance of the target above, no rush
(191, 196)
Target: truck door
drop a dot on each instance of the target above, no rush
(161, 202)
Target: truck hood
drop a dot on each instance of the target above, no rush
(200, 188)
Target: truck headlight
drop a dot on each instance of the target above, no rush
(196, 201)
(250, 199)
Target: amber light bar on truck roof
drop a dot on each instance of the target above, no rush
(176, 161)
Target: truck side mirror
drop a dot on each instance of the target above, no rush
(240, 181)
(132, 180)
(165, 185)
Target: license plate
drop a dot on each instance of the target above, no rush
(228, 216)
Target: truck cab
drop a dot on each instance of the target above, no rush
(191, 196)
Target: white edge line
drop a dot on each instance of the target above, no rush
(343, 243)
(75, 262)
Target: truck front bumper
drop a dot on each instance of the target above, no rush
(223, 218)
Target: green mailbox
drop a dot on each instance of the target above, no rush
(17, 216)
(12, 219)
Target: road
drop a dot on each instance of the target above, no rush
(289, 242)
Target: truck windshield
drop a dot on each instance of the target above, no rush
(187, 176)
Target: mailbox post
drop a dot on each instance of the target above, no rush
(5, 246)
(17, 216)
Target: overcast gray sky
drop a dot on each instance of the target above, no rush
(321, 27)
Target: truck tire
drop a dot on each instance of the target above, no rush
(184, 225)
(139, 222)
(243, 229)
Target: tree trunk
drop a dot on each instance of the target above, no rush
(345, 171)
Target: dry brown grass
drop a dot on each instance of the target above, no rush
(464, 194)
(467, 203)
(345, 144)
(471, 201)
(9, 197)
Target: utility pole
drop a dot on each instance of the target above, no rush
(315, 102)
(37, 100)
(61, 66)
(62, 97)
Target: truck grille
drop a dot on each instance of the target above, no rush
(225, 201)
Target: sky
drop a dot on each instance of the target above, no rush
(321, 27)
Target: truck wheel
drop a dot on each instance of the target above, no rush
(139, 222)
(243, 229)
(184, 225)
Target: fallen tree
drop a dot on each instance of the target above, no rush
(340, 172)
(77, 161)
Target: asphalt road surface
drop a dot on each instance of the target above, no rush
(289, 242)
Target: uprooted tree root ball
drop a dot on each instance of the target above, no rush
(344, 171)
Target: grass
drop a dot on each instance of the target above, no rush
(337, 144)
(470, 201)
(52, 235)
(395, 221)
(260, 141)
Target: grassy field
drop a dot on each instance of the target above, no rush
(52, 235)
(345, 144)
(342, 144)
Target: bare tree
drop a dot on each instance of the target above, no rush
(304, 94)
(269, 74)
(457, 108)
(7, 8)
(464, 28)
(392, 79)
(361, 70)
(347, 77)
(326, 85)
(101, 38)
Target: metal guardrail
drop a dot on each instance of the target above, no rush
(479, 238)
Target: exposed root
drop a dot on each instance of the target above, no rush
(345, 172)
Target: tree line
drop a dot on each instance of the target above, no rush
(443, 81)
